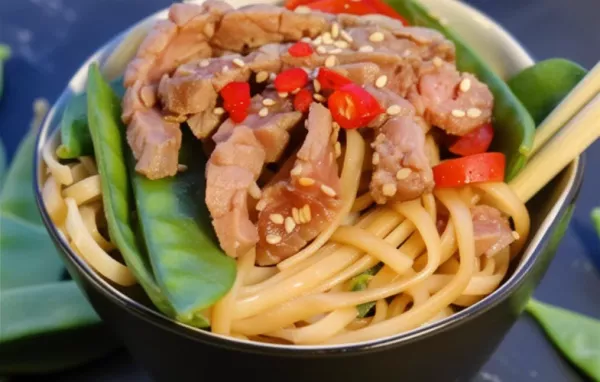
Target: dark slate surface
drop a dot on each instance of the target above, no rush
(50, 39)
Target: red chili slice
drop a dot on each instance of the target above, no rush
(290, 80)
(352, 106)
(476, 142)
(331, 80)
(485, 167)
(302, 100)
(236, 100)
(343, 6)
(300, 49)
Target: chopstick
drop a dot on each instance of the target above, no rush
(565, 145)
(587, 88)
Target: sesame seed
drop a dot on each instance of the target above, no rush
(306, 181)
(458, 113)
(327, 38)
(297, 170)
(296, 91)
(318, 40)
(262, 76)
(330, 61)
(516, 235)
(321, 49)
(302, 9)
(225, 69)
(282, 95)
(319, 97)
(394, 110)
(306, 212)
(381, 81)
(263, 112)
(341, 44)
(218, 111)
(338, 149)
(336, 51)
(317, 85)
(306, 39)
(465, 85)
(272, 76)
(389, 189)
(328, 190)
(204, 63)
(273, 239)
(403, 174)
(335, 30)
(289, 224)
(254, 191)
(473, 112)
(239, 62)
(437, 61)
(268, 102)
(296, 215)
(276, 218)
(301, 218)
(346, 36)
(366, 48)
(380, 138)
(261, 205)
(376, 37)
(375, 160)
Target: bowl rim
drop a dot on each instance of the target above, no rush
(530, 254)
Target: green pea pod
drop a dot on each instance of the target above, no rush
(76, 140)
(49, 327)
(17, 197)
(4, 55)
(27, 256)
(108, 136)
(361, 282)
(188, 263)
(577, 336)
(596, 219)
(514, 126)
(543, 86)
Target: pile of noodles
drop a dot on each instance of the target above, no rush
(307, 298)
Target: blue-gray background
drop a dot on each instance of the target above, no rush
(50, 39)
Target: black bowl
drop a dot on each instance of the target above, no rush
(452, 349)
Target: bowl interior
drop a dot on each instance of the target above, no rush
(498, 48)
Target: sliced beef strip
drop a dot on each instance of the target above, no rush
(456, 102)
(491, 230)
(232, 170)
(297, 207)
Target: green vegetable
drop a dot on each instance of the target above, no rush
(188, 263)
(4, 55)
(16, 196)
(361, 282)
(76, 140)
(513, 123)
(49, 327)
(104, 111)
(36, 307)
(577, 336)
(28, 256)
(543, 86)
(596, 219)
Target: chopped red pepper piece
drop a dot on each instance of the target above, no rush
(300, 49)
(476, 142)
(236, 100)
(292, 4)
(485, 167)
(331, 80)
(302, 100)
(352, 106)
(354, 7)
(290, 80)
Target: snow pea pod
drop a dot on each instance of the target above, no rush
(514, 125)
(56, 315)
(189, 265)
(361, 282)
(4, 55)
(75, 135)
(577, 336)
(543, 86)
(104, 111)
